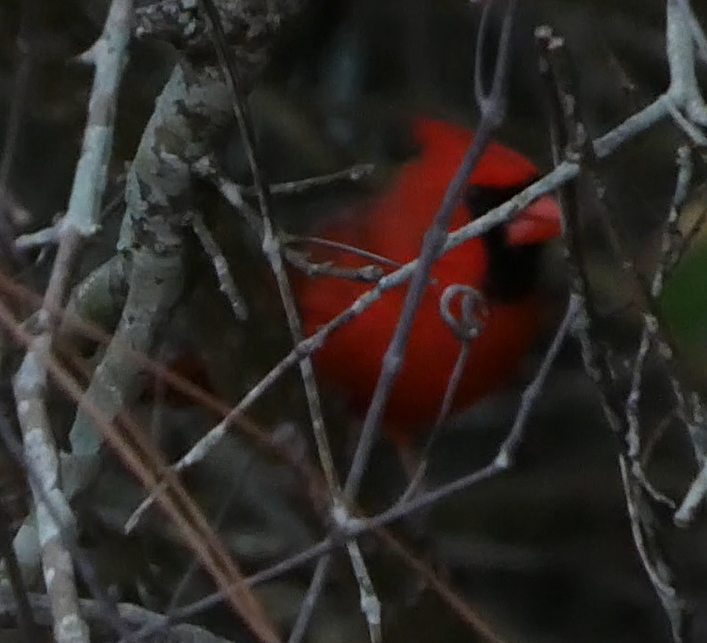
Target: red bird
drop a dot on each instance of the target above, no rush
(503, 265)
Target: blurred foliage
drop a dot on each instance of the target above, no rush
(544, 552)
(683, 301)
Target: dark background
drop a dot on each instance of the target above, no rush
(544, 553)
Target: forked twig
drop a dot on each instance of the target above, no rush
(146, 462)
(271, 245)
(109, 55)
(492, 107)
(569, 140)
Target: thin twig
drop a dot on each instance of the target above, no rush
(497, 216)
(226, 283)
(492, 107)
(569, 141)
(109, 54)
(354, 174)
(51, 235)
(131, 615)
(467, 329)
(145, 461)
(336, 245)
(273, 252)
(650, 324)
(67, 534)
(208, 168)
(26, 625)
(603, 147)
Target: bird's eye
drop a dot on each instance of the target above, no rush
(482, 198)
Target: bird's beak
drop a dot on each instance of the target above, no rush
(541, 221)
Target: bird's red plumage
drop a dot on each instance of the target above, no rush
(393, 225)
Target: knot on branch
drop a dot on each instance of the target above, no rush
(249, 24)
(343, 522)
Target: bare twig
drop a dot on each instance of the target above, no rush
(698, 33)
(145, 461)
(52, 504)
(51, 235)
(683, 95)
(367, 274)
(132, 615)
(270, 242)
(273, 252)
(29, 390)
(336, 245)
(568, 169)
(492, 107)
(207, 168)
(569, 141)
(467, 329)
(650, 323)
(502, 214)
(25, 619)
(353, 174)
(109, 57)
(40, 238)
(193, 107)
(223, 274)
(408, 505)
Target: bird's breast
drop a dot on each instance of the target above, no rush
(351, 357)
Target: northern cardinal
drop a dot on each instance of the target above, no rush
(503, 265)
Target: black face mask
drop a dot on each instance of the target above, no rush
(513, 271)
